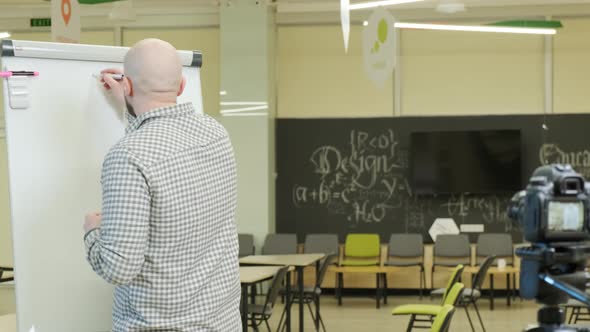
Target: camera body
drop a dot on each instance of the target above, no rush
(554, 212)
(555, 207)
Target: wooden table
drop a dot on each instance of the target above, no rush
(492, 271)
(250, 275)
(8, 323)
(299, 261)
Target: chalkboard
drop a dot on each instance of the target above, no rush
(352, 175)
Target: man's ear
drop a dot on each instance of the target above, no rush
(128, 87)
(182, 86)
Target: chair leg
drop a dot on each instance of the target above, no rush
(267, 326)
(282, 317)
(385, 288)
(317, 328)
(569, 320)
(322, 322)
(378, 289)
(340, 286)
(422, 281)
(469, 317)
(411, 323)
(479, 316)
(431, 280)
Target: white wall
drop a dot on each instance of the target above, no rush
(471, 73)
(572, 67)
(317, 79)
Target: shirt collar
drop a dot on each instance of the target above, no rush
(162, 112)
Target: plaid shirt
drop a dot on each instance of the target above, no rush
(168, 239)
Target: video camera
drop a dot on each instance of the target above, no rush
(554, 212)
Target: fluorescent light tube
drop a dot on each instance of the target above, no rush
(476, 28)
(373, 4)
(243, 103)
(244, 109)
(244, 114)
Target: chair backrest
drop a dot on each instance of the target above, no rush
(321, 244)
(362, 245)
(246, 244)
(328, 260)
(480, 276)
(275, 287)
(454, 294)
(455, 277)
(452, 245)
(442, 321)
(280, 244)
(406, 245)
(498, 244)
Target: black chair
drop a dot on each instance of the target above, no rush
(312, 294)
(5, 269)
(280, 244)
(407, 250)
(246, 244)
(471, 295)
(321, 244)
(259, 313)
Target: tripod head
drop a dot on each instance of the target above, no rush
(551, 274)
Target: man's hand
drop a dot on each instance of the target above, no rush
(92, 221)
(116, 88)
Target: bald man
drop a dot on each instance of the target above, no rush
(166, 236)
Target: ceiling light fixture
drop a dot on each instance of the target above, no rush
(4, 35)
(477, 28)
(373, 4)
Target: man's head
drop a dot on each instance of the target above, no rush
(153, 76)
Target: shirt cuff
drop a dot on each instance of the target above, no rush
(91, 237)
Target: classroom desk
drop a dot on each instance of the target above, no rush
(250, 275)
(8, 323)
(299, 261)
(508, 271)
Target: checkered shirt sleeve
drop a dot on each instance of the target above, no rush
(116, 250)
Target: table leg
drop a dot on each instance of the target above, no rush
(300, 284)
(288, 304)
(317, 298)
(491, 292)
(244, 308)
(253, 294)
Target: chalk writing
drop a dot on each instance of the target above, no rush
(363, 183)
(487, 208)
(553, 154)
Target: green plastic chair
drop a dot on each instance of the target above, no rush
(429, 310)
(443, 320)
(455, 276)
(362, 250)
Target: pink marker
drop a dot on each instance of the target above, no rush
(18, 73)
